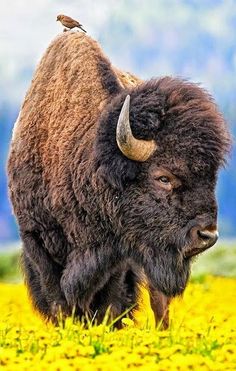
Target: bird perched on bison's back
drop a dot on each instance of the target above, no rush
(69, 22)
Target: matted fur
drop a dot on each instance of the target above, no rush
(91, 220)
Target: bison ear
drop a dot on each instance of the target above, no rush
(110, 165)
(117, 172)
(118, 154)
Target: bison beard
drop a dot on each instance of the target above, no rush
(109, 195)
(169, 272)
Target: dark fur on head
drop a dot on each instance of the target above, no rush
(192, 143)
(179, 115)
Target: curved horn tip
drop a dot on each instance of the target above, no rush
(127, 99)
(126, 104)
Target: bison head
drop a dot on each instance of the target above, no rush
(158, 156)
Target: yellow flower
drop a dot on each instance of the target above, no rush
(202, 335)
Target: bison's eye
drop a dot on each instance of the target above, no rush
(164, 180)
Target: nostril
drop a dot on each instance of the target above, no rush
(202, 239)
(203, 235)
(208, 236)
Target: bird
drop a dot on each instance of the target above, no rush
(69, 22)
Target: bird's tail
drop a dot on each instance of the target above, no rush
(82, 29)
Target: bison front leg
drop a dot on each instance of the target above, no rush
(160, 306)
(42, 276)
(85, 274)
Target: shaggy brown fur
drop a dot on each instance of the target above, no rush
(91, 220)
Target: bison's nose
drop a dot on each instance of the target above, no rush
(208, 238)
(202, 239)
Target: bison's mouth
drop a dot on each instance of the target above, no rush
(194, 251)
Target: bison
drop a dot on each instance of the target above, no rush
(112, 181)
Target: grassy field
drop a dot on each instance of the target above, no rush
(202, 334)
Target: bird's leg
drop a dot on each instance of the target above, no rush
(65, 30)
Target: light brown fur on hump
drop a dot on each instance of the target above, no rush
(127, 79)
(64, 102)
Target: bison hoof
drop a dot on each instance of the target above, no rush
(59, 312)
(76, 295)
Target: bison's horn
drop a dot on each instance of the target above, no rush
(134, 149)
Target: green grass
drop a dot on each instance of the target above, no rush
(219, 261)
(9, 266)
